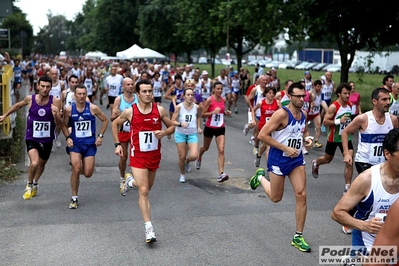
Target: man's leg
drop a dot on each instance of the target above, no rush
(76, 161)
(298, 181)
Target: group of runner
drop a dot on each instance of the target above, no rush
(280, 120)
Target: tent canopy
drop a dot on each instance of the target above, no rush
(94, 55)
(130, 52)
(148, 53)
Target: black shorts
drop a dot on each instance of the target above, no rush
(111, 99)
(210, 132)
(158, 99)
(361, 167)
(332, 146)
(44, 149)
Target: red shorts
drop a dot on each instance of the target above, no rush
(311, 117)
(124, 136)
(151, 162)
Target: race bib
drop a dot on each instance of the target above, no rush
(343, 126)
(295, 143)
(41, 129)
(83, 129)
(113, 88)
(147, 141)
(217, 120)
(376, 154)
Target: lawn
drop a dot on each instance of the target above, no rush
(365, 83)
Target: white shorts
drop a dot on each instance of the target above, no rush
(249, 117)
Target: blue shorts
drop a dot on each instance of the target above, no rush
(328, 102)
(183, 138)
(285, 169)
(85, 150)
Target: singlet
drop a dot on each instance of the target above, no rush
(308, 84)
(327, 90)
(83, 125)
(76, 72)
(306, 101)
(123, 105)
(267, 110)
(189, 116)
(17, 74)
(335, 131)
(69, 98)
(235, 84)
(394, 105)
(198, 87)
(316, 105)
(274, 83)
(178, 93)
(56, 91)
(258, 98)
(375, 204)
(207, 93)
(284, 100)
(369, 148)
(216, 120)
(157, 88)
(88, 82)
(40, 124)
(291, 135)
(143, 141)
(114, 84)
(225, 83)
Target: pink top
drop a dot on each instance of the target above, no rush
(354, 98)
(216, 120)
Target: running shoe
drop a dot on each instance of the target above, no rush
(125, 185)
(34, 190)
(150, 235)
(252, 142)
(323, 129)
(300, 243)
(315, 169)
(245, 130)
(304, 151)
(257, 160)
(28, 192)
(58, 142)
(182, 179)
(346, 230)
(187, 166)
(254, 181)
(317, 145)
(73, 204)
(223, 177)
(198, 164)
(120, 182)
(236, 111)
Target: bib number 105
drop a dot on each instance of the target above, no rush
(294, 143)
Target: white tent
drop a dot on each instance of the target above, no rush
(94, 55)
(130, 53)
(148, 53)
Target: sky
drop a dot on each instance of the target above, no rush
(37, 10)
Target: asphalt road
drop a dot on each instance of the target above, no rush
(201, 222)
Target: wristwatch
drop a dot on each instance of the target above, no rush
(117, 144)
(100, 135)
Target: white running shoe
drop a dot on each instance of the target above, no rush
(245, 130)
(223, 177)
(182, 179)
(58, 142)
(150, 235)
(187, 166)
(125, 185)
(198, 164)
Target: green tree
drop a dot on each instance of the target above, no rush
(21, 31)
(51, 38)
(349, 25)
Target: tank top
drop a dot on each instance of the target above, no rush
(284, 99)
(225, 83)
(189, 116)
(316, 105)
(17, 74)
(267, 110)
(69, 98)
(235, 84)
(375, 204)
(207, 93)
(143, 141)
(335, 131)
(83, 125)
(178, 93)
(306, 102)
(308, 84)
(198, 87)
(40, 124)
(216, 120)
(258, 98)
(394, 105)
(291, 136)
(56, 91)
(157, 88)
(88, 82)
(76, 72)
(369, 148)
(123, 105)
(327, 90)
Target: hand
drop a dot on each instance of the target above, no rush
(253, 123)
(119, 151)
(99, 141)
(348, 159)
(291, 152)
(217, 110)
(199, 131)
(54, 109)
(159, 134)
(2, 117)
(374, 225)
(184, 124)
(69, 143)
(308, 141)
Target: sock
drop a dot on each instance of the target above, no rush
(75, 198)
(260, 177)
(298, 233)
(35, 184)
(347, 186)
(30, 184)
(130, 183)
(148, 225)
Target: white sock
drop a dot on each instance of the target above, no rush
(260, 177)
(148, 225)
(130, 183)
(74, 197)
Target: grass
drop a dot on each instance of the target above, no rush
(365, 83)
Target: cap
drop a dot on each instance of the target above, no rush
(204, 72)
(307, 72)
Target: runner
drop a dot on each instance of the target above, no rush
(394, 99)
(81, 140)
(235, 87)
(314, 111)
(285, 134)
(214, 111)
(43, 117)
(90, 83)
(113, 85)
(326, 95)
(224, 79)
(58, 87)
(146, 127)
(159, 86)
(187, 120)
